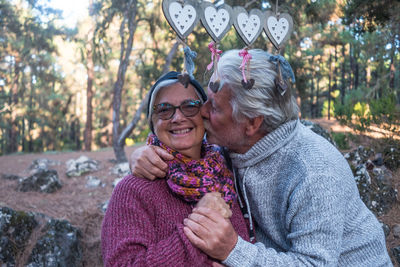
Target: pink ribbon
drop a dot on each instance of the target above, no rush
(246, 58)
(215, 53)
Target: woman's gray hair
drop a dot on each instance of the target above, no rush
(263, 98)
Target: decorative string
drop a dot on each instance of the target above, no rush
(283, 67)
(215, 55)
(189, 63)
(246, 61)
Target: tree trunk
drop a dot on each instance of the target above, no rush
(89, 94)
(130, 15)
(329, 85)
(13, 142)
(343, 87)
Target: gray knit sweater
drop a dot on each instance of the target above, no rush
(305, 204)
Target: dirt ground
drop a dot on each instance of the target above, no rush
(81, 206)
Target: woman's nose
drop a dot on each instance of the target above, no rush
(178, 115)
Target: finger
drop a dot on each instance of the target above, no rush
(193, 238)
(211, 214)
(200, 226)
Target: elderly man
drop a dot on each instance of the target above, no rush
(297, 190)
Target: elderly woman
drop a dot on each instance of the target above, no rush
(143, 225)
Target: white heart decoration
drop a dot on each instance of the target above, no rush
(248, 25)
(216, 21)
(182, 16)
(278, 29)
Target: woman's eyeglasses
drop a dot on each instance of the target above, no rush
(166, 111)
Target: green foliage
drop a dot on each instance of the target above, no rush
(386, 113)
(341, 140)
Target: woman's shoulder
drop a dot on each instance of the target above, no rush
(139, 186)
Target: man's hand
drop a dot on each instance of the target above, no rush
(149, 162)
(208, 230)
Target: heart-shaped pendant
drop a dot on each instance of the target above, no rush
(248, 25)
(249, 84)
(281, 86)
(278, 29)
(216, 20)
(183, 16)
(214, 86)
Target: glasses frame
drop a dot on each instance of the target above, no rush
(194, 103)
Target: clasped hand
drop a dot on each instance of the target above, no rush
(208, 227)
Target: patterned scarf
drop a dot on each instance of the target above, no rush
(191, 179)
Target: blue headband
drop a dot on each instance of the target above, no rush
(286, 69)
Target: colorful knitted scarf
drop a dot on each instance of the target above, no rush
(191, 179)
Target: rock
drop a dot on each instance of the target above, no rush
(396, 230)
(10, 176)
(44, 181)
(59, 246)
(104, 206)
(386, 228)
(81, 166)
(374, 184)
(116, 181)
(396, 253)
(316, 128)
(93, 181)
(47, 241)
(43, 163)
(392, 157)
(121, 169)
(15, 231)
(378, 160)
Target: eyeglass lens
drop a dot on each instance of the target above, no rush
(166, 111)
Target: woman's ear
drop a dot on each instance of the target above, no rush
(253, 125)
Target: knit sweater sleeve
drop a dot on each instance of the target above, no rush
(130, 237)
(315, 225)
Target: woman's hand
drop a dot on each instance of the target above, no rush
(149, 162)
(214, 201)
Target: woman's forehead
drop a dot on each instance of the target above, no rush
(176, 93)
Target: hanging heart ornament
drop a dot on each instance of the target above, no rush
(216, 20)
(278, 28)
(248, 25)
(183, 15)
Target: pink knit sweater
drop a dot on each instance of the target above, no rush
(143, 226)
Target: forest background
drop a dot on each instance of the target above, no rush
(83, 87)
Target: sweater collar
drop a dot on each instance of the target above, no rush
(266, 145)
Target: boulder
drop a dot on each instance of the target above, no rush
(396, 254)
(34, 239)
(59, 246)
(81, 166)
(93, 182)
(16, 228)
(44, 181)
(374, 183)
(43, 163)
(121, 169)
(10, 176)
(392, 157)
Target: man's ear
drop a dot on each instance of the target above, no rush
(253, 125)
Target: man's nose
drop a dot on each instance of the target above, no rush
(205, 109)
